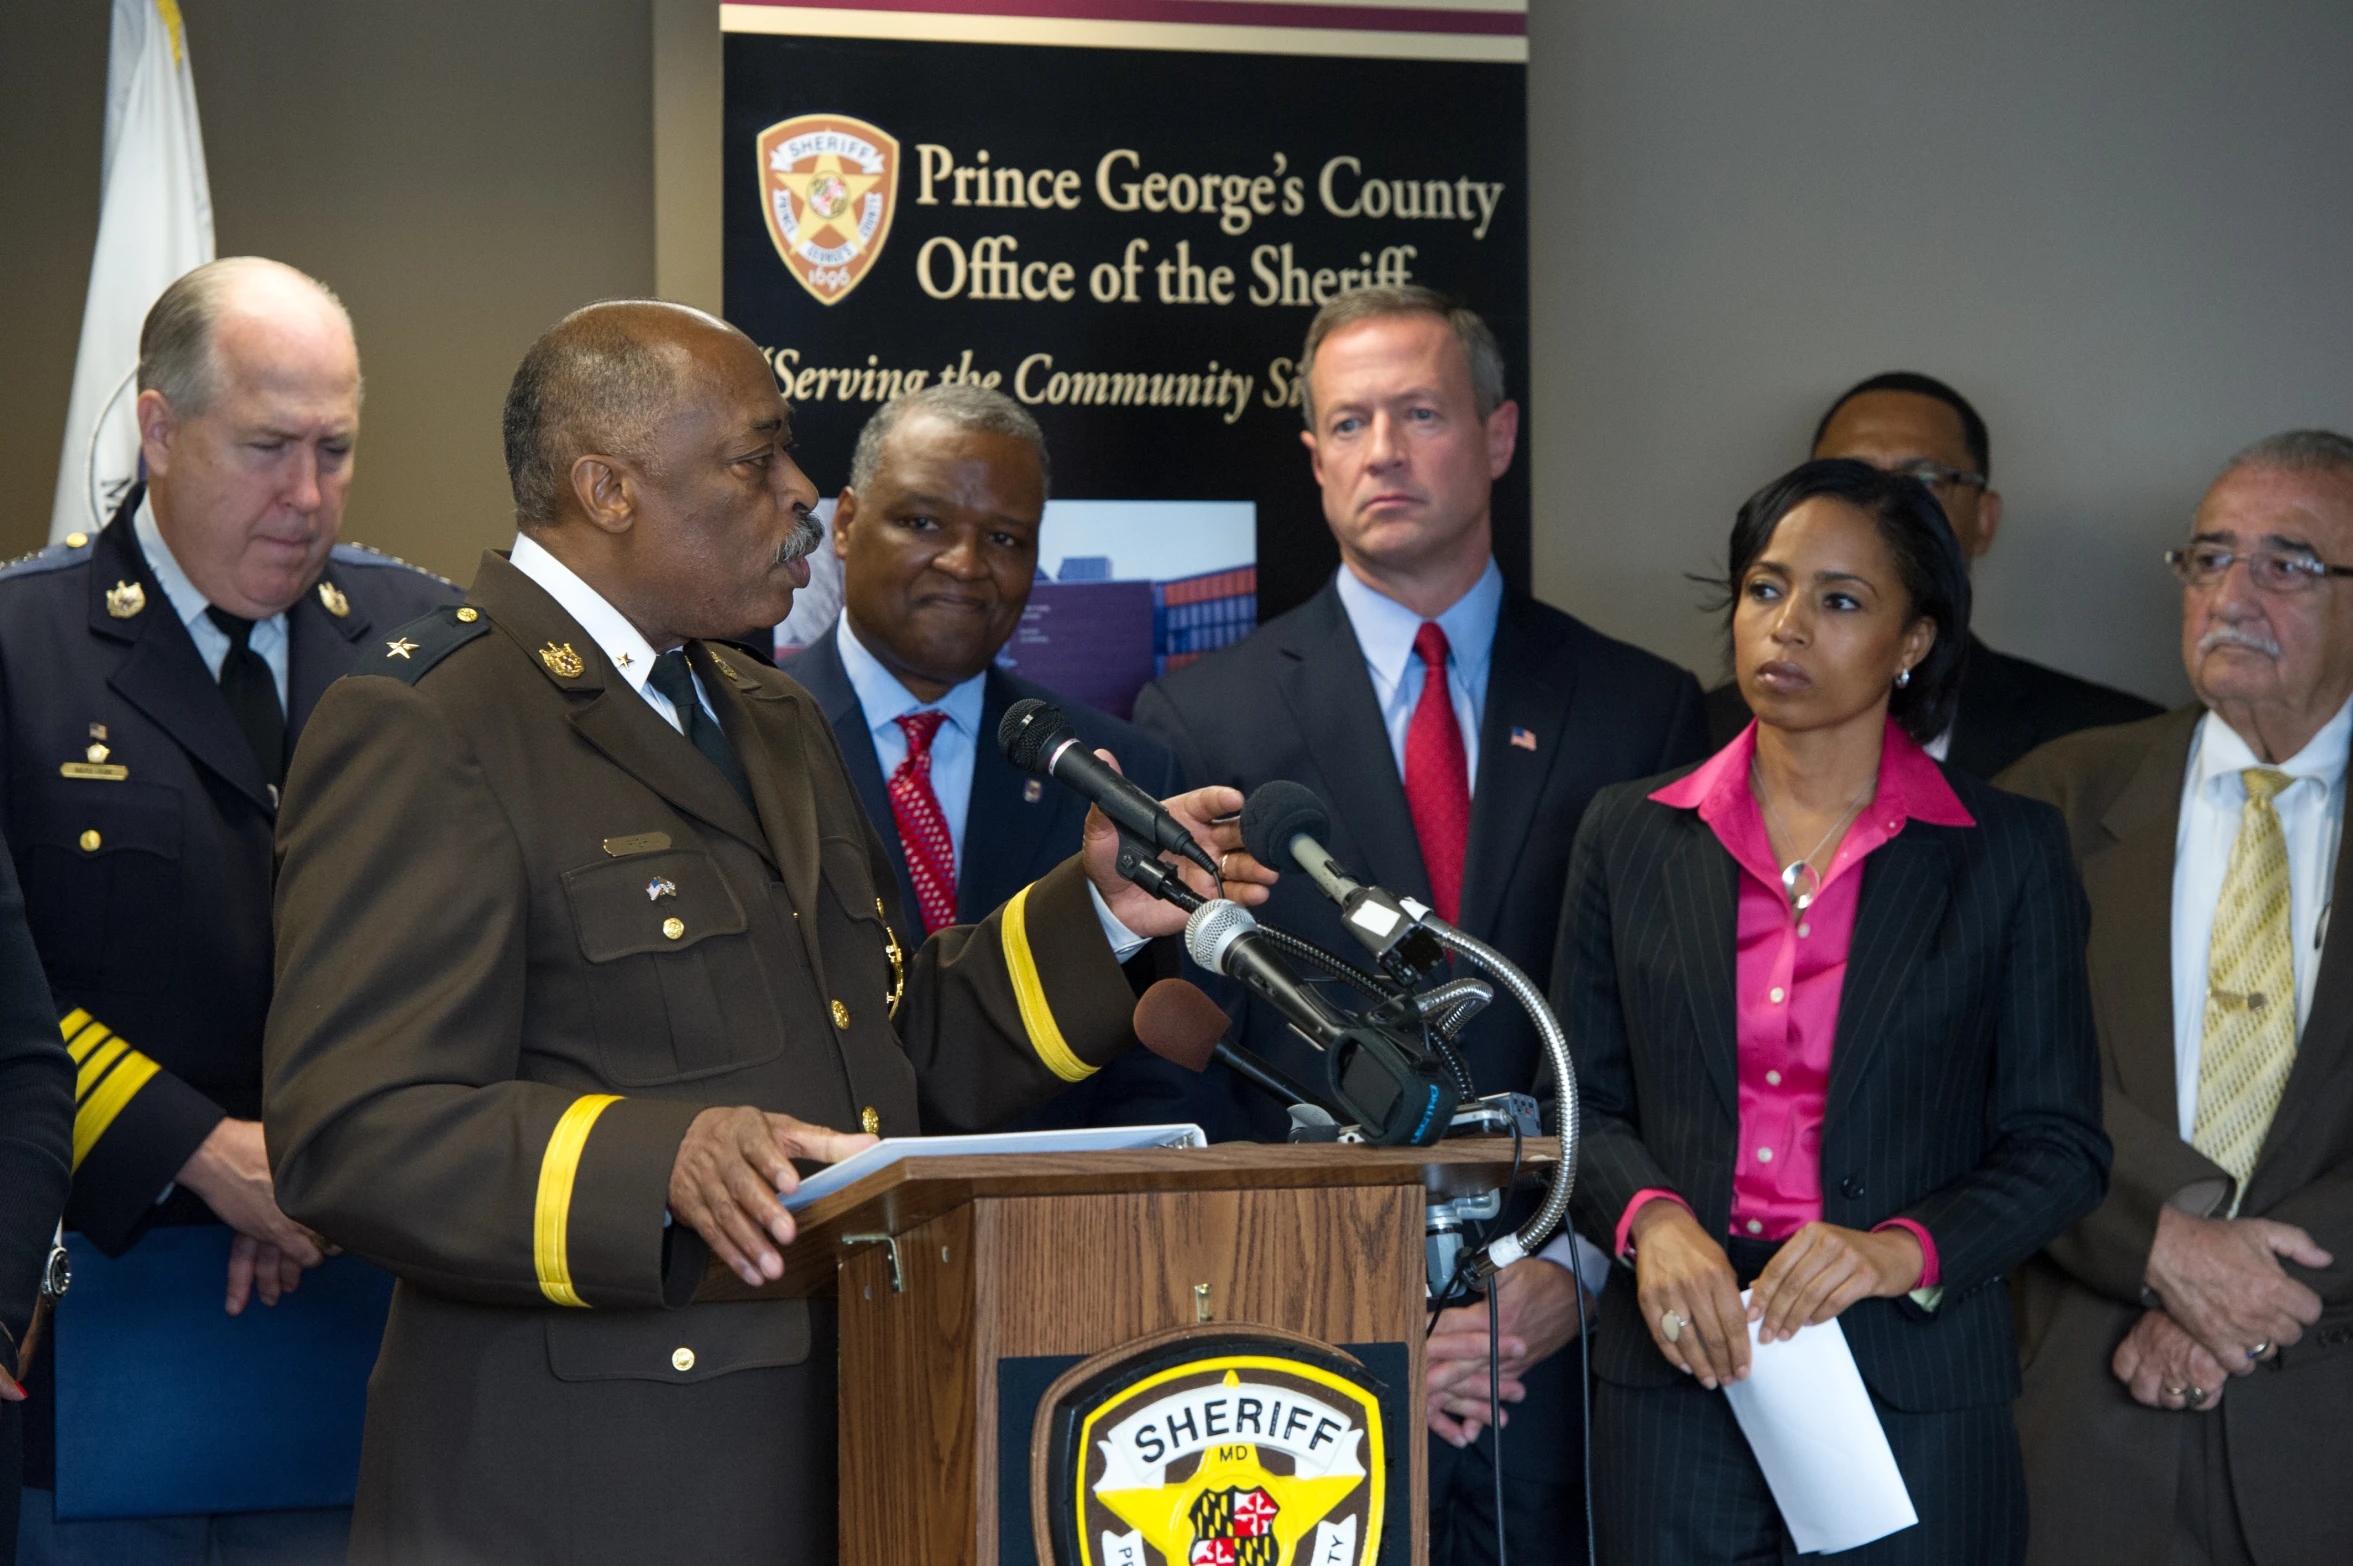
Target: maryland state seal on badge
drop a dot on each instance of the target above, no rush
(1228, 1448)
(828, 187)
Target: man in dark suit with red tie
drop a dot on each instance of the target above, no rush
(1463, 790)
(937, 533)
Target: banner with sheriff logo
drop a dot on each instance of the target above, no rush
(1122, 213)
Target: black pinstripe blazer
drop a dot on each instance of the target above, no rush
(1964, 1080)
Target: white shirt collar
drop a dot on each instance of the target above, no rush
(607, 626)
(1385, 628)
(884, 700)
(2223, 754)
(188, 600)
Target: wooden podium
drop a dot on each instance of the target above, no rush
(944, 1267)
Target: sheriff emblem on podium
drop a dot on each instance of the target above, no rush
(828, 187)
(1231, 1449)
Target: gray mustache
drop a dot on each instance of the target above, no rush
(2232, 636)
(804, 541)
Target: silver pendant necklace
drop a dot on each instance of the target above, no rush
(1799, 879)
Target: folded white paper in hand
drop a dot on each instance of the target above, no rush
(1816, 1436)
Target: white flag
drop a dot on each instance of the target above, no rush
(154, 223)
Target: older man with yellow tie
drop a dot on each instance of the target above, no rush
(2189, 1348)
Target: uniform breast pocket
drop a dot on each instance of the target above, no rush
(99, 857)
(679, 988)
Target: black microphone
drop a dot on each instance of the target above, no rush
(1038, 739)
(1281, 824)
(1397, 1094)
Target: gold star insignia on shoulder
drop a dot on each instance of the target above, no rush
(399, 649)
(125, 599)
(332, 597)
(562, 661)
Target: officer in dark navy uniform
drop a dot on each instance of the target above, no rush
(153, 681)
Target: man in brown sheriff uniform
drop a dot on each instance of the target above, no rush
(583, 934)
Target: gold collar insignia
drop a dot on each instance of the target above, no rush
(562, 661)
(332, 596)
(125, 599)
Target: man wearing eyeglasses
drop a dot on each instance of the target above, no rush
(1910, 423)
(2188, 1350)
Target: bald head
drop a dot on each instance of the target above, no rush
(265, 305)
(601, 382)
(248, 411)
(649, 450)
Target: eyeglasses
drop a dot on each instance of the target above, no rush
(2203, 565)
(1939, 477)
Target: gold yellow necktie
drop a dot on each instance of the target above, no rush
(2250, 1035)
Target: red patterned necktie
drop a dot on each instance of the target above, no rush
(923, 830)
(1438, 777)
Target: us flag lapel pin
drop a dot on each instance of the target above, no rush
(1524, 739)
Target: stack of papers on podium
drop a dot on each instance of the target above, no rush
(1816, 1436)
(891, 1149)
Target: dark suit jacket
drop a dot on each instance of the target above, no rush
(1294, 701)
(36, 1157)
(2008, 707)
(1964, 1080)
(2102, 1468)
(526, 933)
(1016, 828)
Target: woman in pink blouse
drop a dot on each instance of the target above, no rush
(1835, 1044)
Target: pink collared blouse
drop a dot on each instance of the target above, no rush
(1789, 970)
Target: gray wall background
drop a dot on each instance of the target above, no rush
(2124, 228)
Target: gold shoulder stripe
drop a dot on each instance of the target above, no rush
(552, 1218)
(1045, 1034)
(121, 1086)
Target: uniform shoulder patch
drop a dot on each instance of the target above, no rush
(53, 557)
(417, 646)
(362, 555)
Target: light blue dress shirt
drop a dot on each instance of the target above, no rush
(1385, 630)
(189, 603)
(884, 701)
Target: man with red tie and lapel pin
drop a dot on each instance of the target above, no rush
(937, 532)
(1463, 791)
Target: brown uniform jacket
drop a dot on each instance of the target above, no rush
(2101, 1469)
(525, 933)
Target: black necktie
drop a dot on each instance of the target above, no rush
(252, 693)
(674, 679)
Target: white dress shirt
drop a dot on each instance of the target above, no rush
(607, 626)
(2311, 815)
(212, 643)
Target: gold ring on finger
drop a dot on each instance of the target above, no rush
(2195, 1397)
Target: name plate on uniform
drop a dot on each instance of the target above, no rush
(167, 1404)
(103, 771)
(637, 843)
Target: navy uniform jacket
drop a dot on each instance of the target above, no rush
(147, 886)
(1016, 828)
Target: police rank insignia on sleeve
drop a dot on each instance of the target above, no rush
(125, 599)
(1235, 1448)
